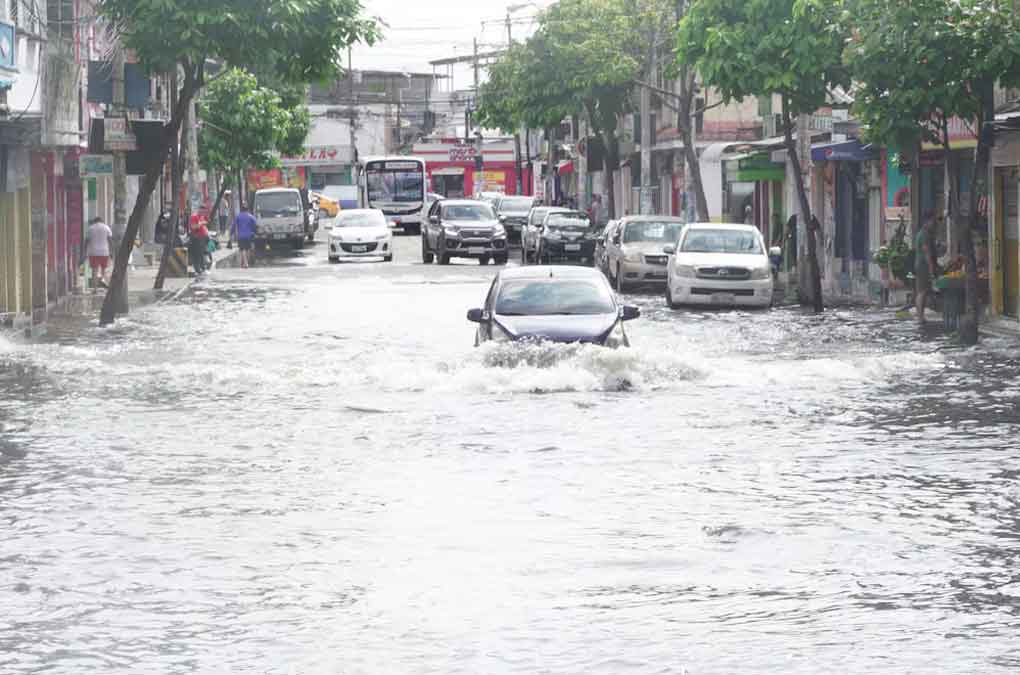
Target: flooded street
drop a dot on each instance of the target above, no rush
(307, 468)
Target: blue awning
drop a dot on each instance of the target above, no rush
(847, 151)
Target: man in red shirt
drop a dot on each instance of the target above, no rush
(198, 243)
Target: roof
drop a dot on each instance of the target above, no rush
(740, 227)
(550, 272)
(653, 219)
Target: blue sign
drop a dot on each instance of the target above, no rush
(7, 47)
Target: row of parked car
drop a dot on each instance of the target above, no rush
(696, 264)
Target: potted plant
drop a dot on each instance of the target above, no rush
(896, 259)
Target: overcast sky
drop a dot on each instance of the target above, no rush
(420, 32)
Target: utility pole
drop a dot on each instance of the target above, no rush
(194, 195)
(476, 66)
(646, 206)
(119, 176)
(509, 34)
(175, 189)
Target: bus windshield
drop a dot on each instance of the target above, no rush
(395, 182)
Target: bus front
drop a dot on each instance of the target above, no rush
(397, 188)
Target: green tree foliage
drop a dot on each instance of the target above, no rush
(245, 125)
(585, 55)
(920, 63)
(745, 48)
(298, 39)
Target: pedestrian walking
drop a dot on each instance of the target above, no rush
(198, 243)
(97, 246)
(924, 266)
(244, 231)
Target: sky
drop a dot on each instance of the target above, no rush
(420, 32)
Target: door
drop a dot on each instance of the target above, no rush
(1010, 223)
(431, 228)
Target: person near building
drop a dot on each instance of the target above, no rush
(198, 243)
(244, 231)
(97, 246)
(924, 266)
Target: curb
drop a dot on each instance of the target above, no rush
(180, 291)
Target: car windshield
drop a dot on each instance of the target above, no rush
(276, 204)
(573, 222)
(548, 297)
(516, 204)
(651, 231)
(360, 220)
(467, 212)
(721, 241)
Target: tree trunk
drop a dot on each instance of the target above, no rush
(146, 189)
(969, 320)
(216, 204)
(612, 164)
(177, 155)
(810, 223)
(686, 124)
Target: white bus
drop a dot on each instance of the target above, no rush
(397, 187)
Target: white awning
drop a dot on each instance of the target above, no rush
(448, 171)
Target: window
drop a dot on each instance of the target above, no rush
(60, 20)
(721, 241)
(558, 297)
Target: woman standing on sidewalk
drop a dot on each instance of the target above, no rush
(198, 243)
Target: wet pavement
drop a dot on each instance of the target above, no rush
(307, 468)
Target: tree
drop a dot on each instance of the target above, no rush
(586, 54)
(245, 125)
(298, 39)
(920, 63)
(792, 48)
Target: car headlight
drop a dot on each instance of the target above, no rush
(452, 229)
(632, 256)
(617, 337)
(685, 271)
(382, 237)
(761, 273)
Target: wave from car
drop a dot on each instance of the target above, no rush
(719, 264)
(552, 304)
(360, 233)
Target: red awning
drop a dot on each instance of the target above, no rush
(565, 167)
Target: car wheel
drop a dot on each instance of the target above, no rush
(443, 256)
(669, 297)
(334, 259)
(500, 259)
(524, 254)
(388, 258)
(426, 254)
(484, 260)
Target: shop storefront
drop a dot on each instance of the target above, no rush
(454, 171)
(1004, 248)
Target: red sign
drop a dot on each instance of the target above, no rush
(462, 153)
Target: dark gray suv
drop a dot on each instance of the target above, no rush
(463, 228)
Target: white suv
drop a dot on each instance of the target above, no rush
(719, 264)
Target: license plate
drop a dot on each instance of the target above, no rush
(279, 235)
(572, 247)
(723, 298)
(476, 250)
(358, 249)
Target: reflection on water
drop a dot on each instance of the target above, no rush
(312, 471)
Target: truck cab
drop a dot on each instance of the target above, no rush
(281, 216)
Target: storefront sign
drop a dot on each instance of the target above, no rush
(320, 155)
(7, 50)
(462, 153)
(272, 178)
(90, 166)
(118, 135)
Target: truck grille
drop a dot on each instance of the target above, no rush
(724, 273)
(656, 259)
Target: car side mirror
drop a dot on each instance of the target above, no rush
(476, 315)
(629, 313)
(669, 250)
(434, 220)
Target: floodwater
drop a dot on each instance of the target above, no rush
(307, 468)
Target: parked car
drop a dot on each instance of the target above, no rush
(281, 217)
(327, 206)
(360, 233)
(512, 212)
(600, 246)
(463, 228)
(634, 252)
(566, 235)
(719, 264)
(555, 304)
(533, 230)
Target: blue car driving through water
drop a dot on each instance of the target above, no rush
(552, 304)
